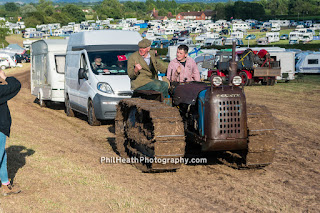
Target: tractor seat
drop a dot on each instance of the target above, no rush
(187, 93)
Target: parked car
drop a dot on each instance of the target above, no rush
(4, 64)
(264, 30)
(294, 41)
(22, 58)
(250, 37)
(284, 37)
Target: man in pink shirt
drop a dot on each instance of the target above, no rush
(183, 68)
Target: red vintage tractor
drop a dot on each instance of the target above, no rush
(253, 66)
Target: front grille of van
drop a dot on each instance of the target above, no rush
(127, 93)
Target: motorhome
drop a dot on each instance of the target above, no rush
(301, 36)
(308, 62)
(273, 37)
(47, 70)
(96, 91)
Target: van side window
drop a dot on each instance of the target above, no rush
(83, 62)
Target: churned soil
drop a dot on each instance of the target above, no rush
(56, 161)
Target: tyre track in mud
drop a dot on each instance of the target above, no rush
(290, 184)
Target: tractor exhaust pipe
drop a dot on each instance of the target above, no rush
(233, 66)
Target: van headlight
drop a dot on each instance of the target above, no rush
(217, 81)
(105, 87)
(237, 80)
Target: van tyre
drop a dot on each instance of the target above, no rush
(69, 111)
(3, 67)
(92, 120)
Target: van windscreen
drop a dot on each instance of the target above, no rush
(109, 62)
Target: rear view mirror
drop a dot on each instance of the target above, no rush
(83, 74)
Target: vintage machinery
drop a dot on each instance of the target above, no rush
(253, 66)
(216, 117)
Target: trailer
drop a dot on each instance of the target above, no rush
(47, 70)
(287, 64)
(308, 62)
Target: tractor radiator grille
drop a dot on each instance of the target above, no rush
(229, 117)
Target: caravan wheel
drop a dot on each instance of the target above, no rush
(42, 103)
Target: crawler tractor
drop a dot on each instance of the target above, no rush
(214, 116)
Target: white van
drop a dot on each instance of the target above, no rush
(47, 70)
(96, 92)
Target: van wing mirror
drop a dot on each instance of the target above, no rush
(83, 74)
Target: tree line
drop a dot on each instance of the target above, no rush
(45, 11)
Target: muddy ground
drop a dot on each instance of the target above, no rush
(56, 161)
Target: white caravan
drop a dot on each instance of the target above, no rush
(275, 27)
(240, 27)
(287, 64)
(96, 91)
(47, 70)
(273, 36)
(308, 62)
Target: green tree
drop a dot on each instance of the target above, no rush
(110, 8)
(4, 31)
(74, 13)
(11, 7)
(28, 8)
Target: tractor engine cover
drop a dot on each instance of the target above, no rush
(225, 119)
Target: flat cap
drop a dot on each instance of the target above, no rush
(144, 43)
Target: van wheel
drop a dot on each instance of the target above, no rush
(92, 120)
(69, 111)
(42, 103)
(3, 67)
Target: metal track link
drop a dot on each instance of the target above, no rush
(151, 131)
(261, 141)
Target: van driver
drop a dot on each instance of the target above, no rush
(98, 66)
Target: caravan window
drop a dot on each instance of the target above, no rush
(60, 63)
(313, 61)
(114, 62)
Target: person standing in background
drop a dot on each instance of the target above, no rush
(9, 87)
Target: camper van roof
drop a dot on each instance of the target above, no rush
(103, 37)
